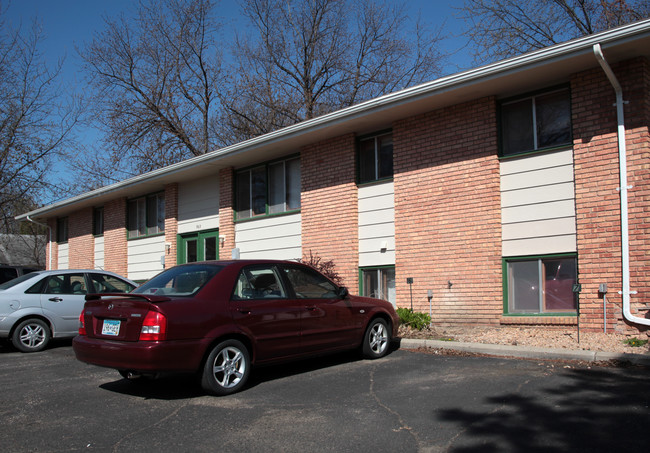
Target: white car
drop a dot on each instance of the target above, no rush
(41, 305)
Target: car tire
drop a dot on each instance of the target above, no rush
(226, 369)
(31, 335)
(376, 341)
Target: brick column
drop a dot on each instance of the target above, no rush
(448, 213)
(171, 224)
(226, 213)
(597, 198)
(115, 247)
(329, 205)
(81, 243)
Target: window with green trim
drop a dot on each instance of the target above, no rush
(271, 188)
(541, 285)
(536, 122)
(378, 282)
(375, 157)
(146, 216)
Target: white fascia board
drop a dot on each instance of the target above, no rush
(455, 82)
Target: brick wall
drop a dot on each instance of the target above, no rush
(226, 213)
(81, 243)
(115, 249)
(329, 205)
(171, 224)
(448, 213)
(597, 198)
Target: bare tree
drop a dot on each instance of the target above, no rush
(156, 80)
(500, 29)
(304, 58)
(35, 123)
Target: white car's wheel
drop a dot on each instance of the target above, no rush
(31, 335)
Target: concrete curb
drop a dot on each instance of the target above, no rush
(526, 352)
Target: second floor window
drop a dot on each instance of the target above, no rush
(375, 157)
(98, 221)
(62, 229)
(268, 189)
(536, 122)
(146, 216)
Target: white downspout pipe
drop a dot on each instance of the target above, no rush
(622, 163)
(49, 241)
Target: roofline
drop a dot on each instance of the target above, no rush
(562, 51)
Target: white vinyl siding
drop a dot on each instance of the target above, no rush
(198, 205)
(538, 204)
(62, 256)
(376, 225)
(144, 256)
(270, 238)
(99, 252)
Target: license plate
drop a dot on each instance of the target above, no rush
(111, 327)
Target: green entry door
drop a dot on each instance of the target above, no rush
(199, 246)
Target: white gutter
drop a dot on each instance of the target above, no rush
(49, 242)
(622, 163)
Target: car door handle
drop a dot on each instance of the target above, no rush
(244, 311)
(311, 308)
(55, 299)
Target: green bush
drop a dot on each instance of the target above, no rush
(635, 342)
(413, 319)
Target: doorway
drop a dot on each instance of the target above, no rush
(199, 246)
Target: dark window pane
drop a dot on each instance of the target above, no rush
(553, 115)
(293, 183)
(517, 127)
(277, 195)
(523, 284)
(98, 221)
(559, 278)
(210, 248)
(310, 285)
(191, 254)
(258, 181)
(385, 156)
(243, 182)
(367, 160)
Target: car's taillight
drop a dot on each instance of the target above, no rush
(154, 327)
(82, 324)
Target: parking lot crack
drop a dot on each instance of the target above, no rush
(403, 426)
(173, 413)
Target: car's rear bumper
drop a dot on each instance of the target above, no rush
(142, 356)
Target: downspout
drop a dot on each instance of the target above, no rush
(49, 241)
(622, 163)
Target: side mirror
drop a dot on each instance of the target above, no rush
(342, 292)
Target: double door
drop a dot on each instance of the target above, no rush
(198, 246)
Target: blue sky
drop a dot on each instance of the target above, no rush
(67, 24)
(70, 23)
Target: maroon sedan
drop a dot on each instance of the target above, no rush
(219, 318)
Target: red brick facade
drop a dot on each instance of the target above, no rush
(115, 249)
(171, 224)
(226, 213)
(81, 243)
(447, 213)
(448, 208)
(597, 198)
(329, 205)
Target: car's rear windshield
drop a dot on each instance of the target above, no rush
(180, 281)
(17, 280)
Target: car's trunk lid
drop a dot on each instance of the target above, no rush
(118, 316)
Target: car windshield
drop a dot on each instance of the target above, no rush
(17, 280)
(179, 281)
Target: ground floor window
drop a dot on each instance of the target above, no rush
(378, 282)
(540, 284)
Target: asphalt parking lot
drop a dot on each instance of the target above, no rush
(408, 401)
